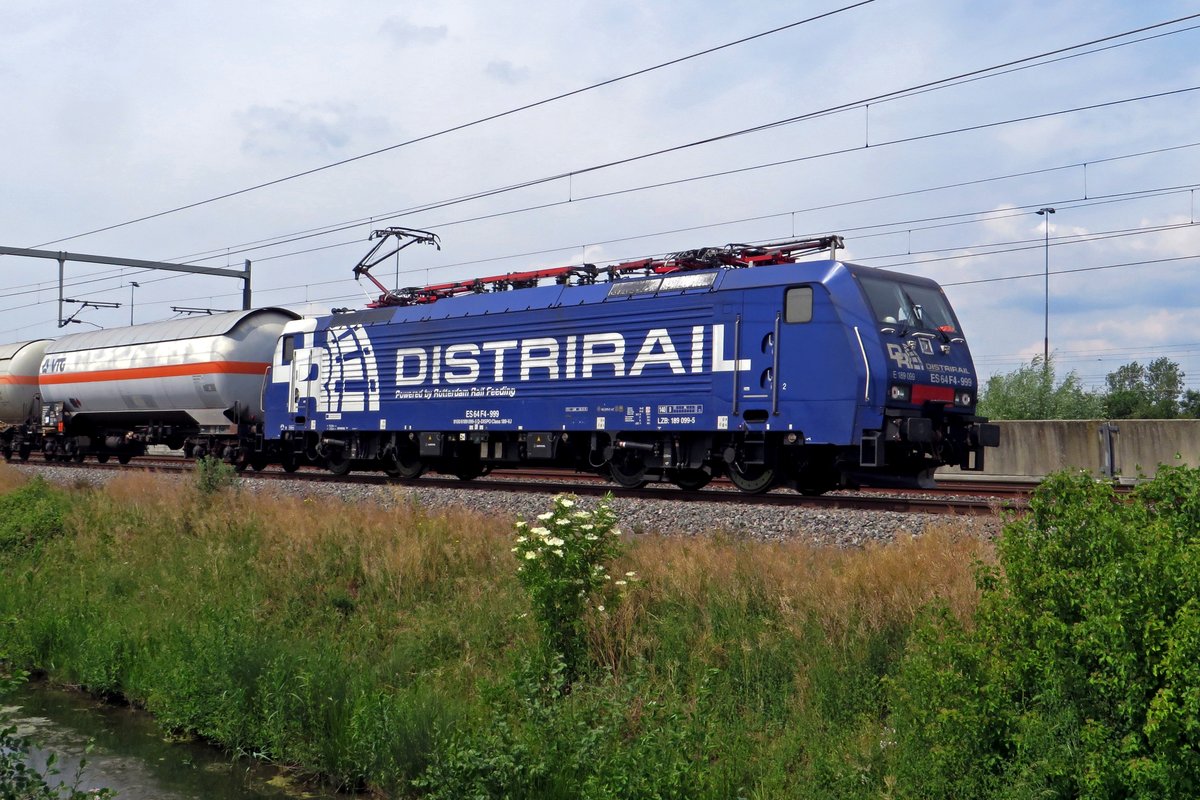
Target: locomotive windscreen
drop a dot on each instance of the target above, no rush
(898, 302)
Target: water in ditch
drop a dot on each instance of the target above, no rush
(132, 756)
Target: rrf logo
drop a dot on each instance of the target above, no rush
(904, 358)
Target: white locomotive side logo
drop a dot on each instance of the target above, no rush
(349, 376)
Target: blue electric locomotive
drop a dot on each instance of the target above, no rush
(737, 361)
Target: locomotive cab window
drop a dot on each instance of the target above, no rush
(289, 350)
(798, 304)
(908, 305)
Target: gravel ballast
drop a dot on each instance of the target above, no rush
(817, 526)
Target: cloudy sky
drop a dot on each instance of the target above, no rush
(116, 111)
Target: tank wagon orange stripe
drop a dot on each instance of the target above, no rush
(169, 371)
(20, 380)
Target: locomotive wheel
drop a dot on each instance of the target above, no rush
(101, 458)
(469, 472)
(78, 456)
(691, 480)
(752, 478)
(470, 468)
(23, 452)
(337, 463)
(406, 466)
(8, 454)
(628, 469)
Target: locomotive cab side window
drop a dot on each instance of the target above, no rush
(289, 350)
(798, 304)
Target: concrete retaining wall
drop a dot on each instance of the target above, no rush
(1036, 448)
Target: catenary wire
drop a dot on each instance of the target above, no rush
(464, 125)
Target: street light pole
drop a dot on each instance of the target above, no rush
(1046, 212)
(134, 285)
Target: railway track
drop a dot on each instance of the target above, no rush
(963, 498)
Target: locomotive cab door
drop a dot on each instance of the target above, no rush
(305, 375)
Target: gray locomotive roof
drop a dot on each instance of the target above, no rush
(7, 351)
(171, 330)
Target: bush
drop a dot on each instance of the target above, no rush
(1081, 677)
(563, 565)
(213, 475)
(30, 514)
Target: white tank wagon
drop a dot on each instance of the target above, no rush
(193, 383)
(20, 404)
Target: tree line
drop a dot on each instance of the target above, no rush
(1132, 391)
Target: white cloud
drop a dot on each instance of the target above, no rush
(404, 32)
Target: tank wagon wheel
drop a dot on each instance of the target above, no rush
(102, 458)
(78, 456)
(124, 458)
(692, 480)
(23, 452)
(258, 462)
(752, 478)
(289, 464)
(628, 469)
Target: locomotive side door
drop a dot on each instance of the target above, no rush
(305, 373)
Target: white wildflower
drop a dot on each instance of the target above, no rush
(619, 583)
(530, 555)
(554, 541)
(566, 502)
(542, 532)
(558, 552)
(599, 608)
(630, 574)
(522, 538)
(546, 516)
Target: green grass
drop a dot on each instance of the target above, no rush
(393, 648)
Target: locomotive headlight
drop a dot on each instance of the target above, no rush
(963, 398)
(900, 392)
